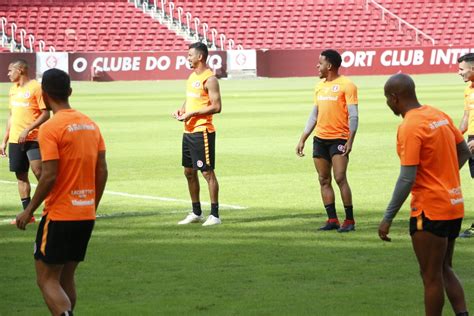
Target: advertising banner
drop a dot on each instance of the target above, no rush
(377, 61)
(48, 60)
(241, 60)
(110, 66)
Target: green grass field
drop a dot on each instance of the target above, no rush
(267, 258)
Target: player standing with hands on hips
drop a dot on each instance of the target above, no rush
(203, 100)
(431, 151)
(335, 120)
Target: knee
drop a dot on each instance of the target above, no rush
(340, 179)
(431, 277)
(208, 175)
(22, 177)
(190, 174)
(36, 171)
(447, 270)
(324, 181)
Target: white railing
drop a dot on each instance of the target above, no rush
(205, 28)
(188, 22)
(4, 31)
(24, 37)
(12, 37)
(188, 28)
(214, 36)
(31, 41)
(180, 21)
(171, 7)
(163, 9)
(222, 39)
(22, 40)
(400, 21)
(231, 44)
(196, 27)
(41, 45)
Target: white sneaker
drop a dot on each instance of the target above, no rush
(212, 220)
(191, 218)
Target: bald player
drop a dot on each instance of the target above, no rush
(466, 71)
(27, 113)
(431, 151)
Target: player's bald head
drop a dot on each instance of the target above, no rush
(400, 85)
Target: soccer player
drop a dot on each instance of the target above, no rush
(431, 151)
(27, 113)
(71, 184)
(335, 117)
(466, 71)
(203, 100)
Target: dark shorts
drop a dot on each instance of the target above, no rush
(326, 148)
(199, 150)
(447, 229)
(58, 242)
(21, 155)
(471, 160)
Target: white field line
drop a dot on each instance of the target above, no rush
(109, 215)
(156, 198)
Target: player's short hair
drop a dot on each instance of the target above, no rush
(468, 58)
(57, 84)
(202, 48)
(333, 57)
(21, 64)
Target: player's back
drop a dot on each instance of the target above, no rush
(434, 137)
(75, 140)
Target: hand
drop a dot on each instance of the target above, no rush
(177, 113)
(185, 116)
(3, 150)
(23, 136)
(384, 229)
(23, 219)
(347, 149)
(299, 149)
(471, 146)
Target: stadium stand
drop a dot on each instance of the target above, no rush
(441, 19)
(304, 24)
(91, 25)
(117, 25)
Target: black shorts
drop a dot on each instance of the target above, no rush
(447, 229)
(199, 150)
(21, 155)
(58, 242)
(471, 160)
(326, 148)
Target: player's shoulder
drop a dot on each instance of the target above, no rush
(320, 83)
(469, 87)
(346, 81)
(33, 84)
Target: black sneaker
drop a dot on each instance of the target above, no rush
(467, 233)
(330, 226)
(347, 226)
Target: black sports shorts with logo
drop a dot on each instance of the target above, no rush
(199, 150)
(326, 148)
(58, 242)
(21, 155)
(447, 229)
(471, 160)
